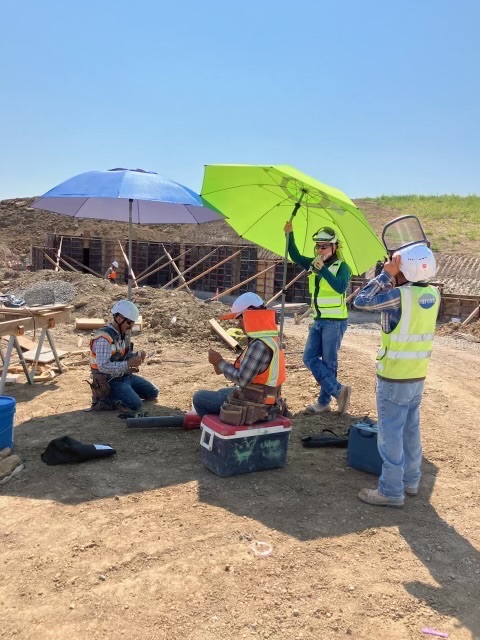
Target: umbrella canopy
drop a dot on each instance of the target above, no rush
(259, 199)
(127, 195)
(104, 195)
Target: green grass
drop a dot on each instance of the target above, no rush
(460, 208)
(452, 223)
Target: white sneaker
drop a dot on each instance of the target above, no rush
(316, 407)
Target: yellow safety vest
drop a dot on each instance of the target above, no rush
(330, 303)
(405, 352)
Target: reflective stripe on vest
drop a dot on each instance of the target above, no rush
(260, 325)
(406, 351)
(117, 347)
(330, 303)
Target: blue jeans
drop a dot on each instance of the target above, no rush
(130, 390)
(210, 401)
(321, 356)
(399, 444)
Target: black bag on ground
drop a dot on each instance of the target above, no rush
(312, 442)
(66, 450)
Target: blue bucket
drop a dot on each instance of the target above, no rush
(7, 417)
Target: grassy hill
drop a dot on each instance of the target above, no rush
(452, 223)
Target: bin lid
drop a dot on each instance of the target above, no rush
(6, 401)
(214, 423)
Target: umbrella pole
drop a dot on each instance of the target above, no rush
(285, 260)
(130, 204)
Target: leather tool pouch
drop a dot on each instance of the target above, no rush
(100, 391)
(236, 410)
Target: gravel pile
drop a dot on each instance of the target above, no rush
(51, 292)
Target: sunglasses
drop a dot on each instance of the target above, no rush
(323, 246)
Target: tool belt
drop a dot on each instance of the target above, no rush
(247, 406)
(100, 392)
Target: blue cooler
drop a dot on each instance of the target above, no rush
(362, 448)
(229, 451)
(7, 418)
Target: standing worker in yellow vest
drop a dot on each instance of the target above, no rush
(328, 283)
(409, 307)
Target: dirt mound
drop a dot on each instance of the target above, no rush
(167, 315)
(24, 226)
(456, 329)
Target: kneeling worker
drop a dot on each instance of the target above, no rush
(114, 365)
(258, 372)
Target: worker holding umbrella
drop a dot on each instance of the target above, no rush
(329, 276)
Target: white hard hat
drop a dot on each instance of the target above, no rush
(325, 234)
(417, 263)
(127, 309)
(115, 264)
(242, 303)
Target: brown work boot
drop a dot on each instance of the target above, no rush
(343, 398)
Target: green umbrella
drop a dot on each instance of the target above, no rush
(259, 199)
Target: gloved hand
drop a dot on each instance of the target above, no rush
(135, 362)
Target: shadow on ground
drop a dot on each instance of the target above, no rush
(313, 497)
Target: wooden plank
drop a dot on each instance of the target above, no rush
(221, 333)
(28, 311)
(46, 355)
(85, 324)
(19, 325)
(24, 342)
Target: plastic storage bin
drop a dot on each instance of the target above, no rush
(362, 448)
(7, 419)
(230, 451)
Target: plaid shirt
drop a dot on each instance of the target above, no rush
(103, 351)
(380, 294)
(256, 360)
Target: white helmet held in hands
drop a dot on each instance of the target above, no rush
(115, 264)
(127, 309)
(417, 263)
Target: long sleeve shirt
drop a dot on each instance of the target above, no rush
(103, 351)
(380, 294)
(256, 360)
(338, 282)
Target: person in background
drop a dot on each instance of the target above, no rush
(328, 282)
(114, 365)
(258, 372)
(111, 275)
(409, 307)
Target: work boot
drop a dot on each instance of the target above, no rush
(343, 398)
(316, 408)
(411, 491)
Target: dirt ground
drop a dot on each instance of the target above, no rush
(149, 544)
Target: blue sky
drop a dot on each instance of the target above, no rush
(371, 96)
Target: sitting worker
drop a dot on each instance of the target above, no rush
(409, 307)
(328, 281)
(114, 365)
(258, 372)
(111, 275)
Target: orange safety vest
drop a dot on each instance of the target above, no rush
(118, 346)
(260, 325)
(112, 275)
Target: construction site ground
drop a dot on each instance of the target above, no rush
(149, 544)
